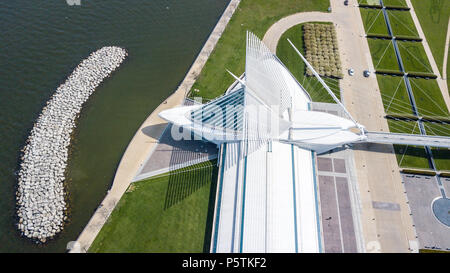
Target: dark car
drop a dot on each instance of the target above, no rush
(346, 2)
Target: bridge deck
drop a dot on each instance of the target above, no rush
(407, 139)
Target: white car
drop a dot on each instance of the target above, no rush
(351, 72)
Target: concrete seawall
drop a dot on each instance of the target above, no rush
(143, 143)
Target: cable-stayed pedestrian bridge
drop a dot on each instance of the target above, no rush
(408, 139)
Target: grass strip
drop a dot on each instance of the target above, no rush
(253, 15)
(167, 213)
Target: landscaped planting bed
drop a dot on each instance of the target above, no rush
(322, 50)
(293, 62)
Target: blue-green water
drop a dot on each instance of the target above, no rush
(41, 42)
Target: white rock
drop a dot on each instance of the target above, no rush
(40, 194)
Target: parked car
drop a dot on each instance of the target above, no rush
(346, 2)
(366, 73)
(351, 72)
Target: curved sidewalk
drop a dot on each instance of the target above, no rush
(275, 32)
(447, 41)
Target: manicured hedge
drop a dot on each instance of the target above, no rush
(379, 36)
(421, 75)
(321, 49)
(394, 7)
(389, 72)
(408, 38)
(402, 116)
(370, 6)
(436, 119)
(418, 171)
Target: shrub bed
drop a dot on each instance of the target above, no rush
(389, 72)
(322, 50)
(379, 36)
(421, 75)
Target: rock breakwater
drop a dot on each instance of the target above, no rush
(40, 195)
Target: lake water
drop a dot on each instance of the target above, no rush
(41, 42)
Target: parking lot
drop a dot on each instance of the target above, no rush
(421, 191)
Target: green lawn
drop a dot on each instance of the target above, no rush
(394, 95)
(383, 54)
(433, 16)
(373, 21)
(253, 15)
(414, 57)
(169, 213)
(428, 97)
(415, 156)
(369, 2)
(395, 3)
(408, 156)
(293, 62)
(441, 155)
(402, 23)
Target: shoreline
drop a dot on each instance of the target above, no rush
(142, 144)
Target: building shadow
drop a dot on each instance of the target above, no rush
(417, 151)
(186, 182)
(373, 147)
(154, 131)
(211, 207)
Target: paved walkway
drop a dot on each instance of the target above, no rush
(447, 41)
(377, 170)
(274, 33)
(145, 140)
(440, 80)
